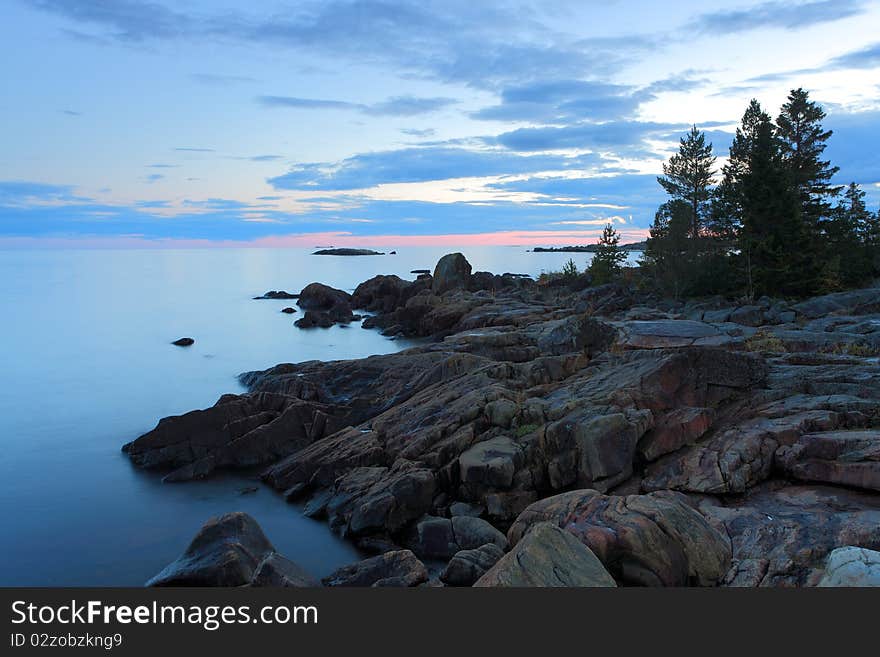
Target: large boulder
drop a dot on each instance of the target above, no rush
(399, 568)
(852, 566)
(648, 540)
(452, 272)
(381, 293)
(548, 556)
(226, 552)
(317, 296)
(325, 306)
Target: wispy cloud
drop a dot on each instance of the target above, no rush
(777, 15)
(421, 133)
(194, 150)
(396, 106)
(215, 79)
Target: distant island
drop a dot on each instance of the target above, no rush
(348, 252)
(589, 248)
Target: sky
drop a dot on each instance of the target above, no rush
(355, 122)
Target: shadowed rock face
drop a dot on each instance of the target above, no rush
(451, 273)
(231, 551)
(676, 442)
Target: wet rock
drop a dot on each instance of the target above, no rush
(184, 342)
(317, 296)
(277, 294)
(288, 310)
(548, 556)
(382, 293)
(238, 431)
(646, 540)
(852, 566)
(324, 306)
(452, 272)
(226, 552)
(467, 566)
(400, 568)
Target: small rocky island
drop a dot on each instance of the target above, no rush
(588, 248)
(557, 435)
(348, 252)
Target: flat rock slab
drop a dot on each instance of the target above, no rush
(847, 458)
(670, 333)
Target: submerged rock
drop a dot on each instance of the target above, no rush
(277, 294)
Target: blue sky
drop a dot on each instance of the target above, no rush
(196, 121)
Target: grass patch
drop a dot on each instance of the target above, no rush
(526, 429)
(765, 342)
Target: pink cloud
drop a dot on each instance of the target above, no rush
(338, 238)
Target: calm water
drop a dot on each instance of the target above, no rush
(85, 343)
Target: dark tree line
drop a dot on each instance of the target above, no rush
(772, 223)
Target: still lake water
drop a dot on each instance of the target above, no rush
(85, 342)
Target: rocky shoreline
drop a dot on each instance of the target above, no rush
(557, 435)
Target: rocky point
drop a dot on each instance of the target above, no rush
(557, 435)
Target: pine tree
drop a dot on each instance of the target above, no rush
(848, 239)
(667, 256)
(609, 257)
(803, 140)
(727, 201)
(689, 176)
(773, 233)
